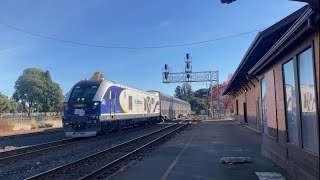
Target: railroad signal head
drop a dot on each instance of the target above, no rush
(227, 1)
(166, 76)
(166, 67)
(188, 66)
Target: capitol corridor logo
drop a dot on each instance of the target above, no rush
(137, 102)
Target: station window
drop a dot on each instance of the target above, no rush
(290, 101)
(264, 106)
(300, 98)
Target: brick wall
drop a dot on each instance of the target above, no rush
(297, 161)
(251, 97)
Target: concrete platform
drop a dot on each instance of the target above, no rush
(196, 153)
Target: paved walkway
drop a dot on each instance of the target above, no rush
(196, 153)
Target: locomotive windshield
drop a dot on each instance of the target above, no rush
(83, 93)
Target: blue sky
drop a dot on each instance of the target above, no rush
(135, 23)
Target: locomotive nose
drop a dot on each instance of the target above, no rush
(78, 123)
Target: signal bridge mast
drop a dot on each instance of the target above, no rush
(189, 77)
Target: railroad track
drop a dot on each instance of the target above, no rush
(108, 161)
(46, 131)
(40, 149)
(36, 150)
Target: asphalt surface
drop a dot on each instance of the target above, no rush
(196, 153)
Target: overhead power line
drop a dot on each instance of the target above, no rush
(125, 47)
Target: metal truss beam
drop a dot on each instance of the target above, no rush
(204, 76)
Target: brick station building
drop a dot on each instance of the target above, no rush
(276, 91)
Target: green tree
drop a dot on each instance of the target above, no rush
(57, 98)
(178, 92)
(198, 99)
(198, 104)
(184, 92)
(47, 93)
(36, 88)
(13, 105)
(30, 87)
(53, 94)
(187, 91)
(201, 93)
(5, 104)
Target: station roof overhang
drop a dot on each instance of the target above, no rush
(314, 4)
(258, 48)
(307, 24)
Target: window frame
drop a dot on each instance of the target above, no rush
(262, 113)
(145, 104)
(294, 58)
(237, 107)
(295, 69)
(130, 102)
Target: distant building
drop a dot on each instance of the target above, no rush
(276, 91)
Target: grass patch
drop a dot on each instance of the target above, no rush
(25, 125)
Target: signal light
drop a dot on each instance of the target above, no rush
(187, 56)
(188, 76)
(166, 67)
(166, 76)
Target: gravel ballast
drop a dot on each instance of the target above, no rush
(31, 139)
(29, 167)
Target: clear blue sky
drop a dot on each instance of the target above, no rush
(135, 23)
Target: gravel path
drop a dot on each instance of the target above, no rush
(27, 168)
(31, 139)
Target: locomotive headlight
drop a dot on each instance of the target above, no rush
(95, 104)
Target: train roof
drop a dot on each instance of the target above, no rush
(103, 86)
(168, 96)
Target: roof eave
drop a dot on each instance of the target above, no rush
(259, 37)
(255, 42)
(266, 58)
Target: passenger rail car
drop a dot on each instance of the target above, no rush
(173, 108)
(96, 106)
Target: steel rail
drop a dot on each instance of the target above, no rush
(50, 174)
(100, 172)
(35, 149)
(45, 131)
(38, 148)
